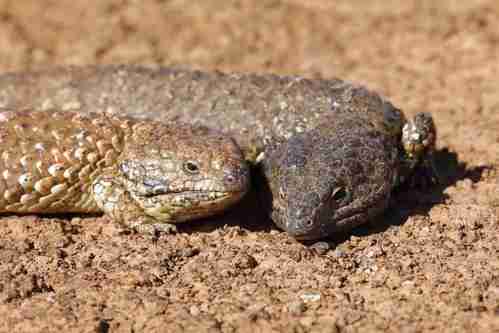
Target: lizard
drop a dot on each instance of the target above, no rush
(331, 151)
(145, 175)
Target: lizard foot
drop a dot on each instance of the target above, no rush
(418, 140)
(418, 136)
(425, 174)
(155, 228)
(116, 202)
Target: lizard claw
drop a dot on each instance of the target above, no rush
(154, 228)
(425, 174)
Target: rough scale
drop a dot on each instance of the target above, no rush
(331, 151)
(144, 175)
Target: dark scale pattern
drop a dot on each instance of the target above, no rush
(358, 162)
(333, 150)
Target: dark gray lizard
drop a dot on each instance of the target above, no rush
(331, 151)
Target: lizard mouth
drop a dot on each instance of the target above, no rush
(188, 205)
(339, 225)
(201, 197)
(328, 227)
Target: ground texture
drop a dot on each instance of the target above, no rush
(431, 263)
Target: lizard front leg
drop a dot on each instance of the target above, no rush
(114, 200)
(418, 140)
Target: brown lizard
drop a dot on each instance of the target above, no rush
(145, 175)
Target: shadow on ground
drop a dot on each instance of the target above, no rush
(408, 201)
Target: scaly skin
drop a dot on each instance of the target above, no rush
(331, 151)
(145, 175)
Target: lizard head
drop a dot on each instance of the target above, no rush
(323, 181)
(177, 172)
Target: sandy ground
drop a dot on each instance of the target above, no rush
(431, 263)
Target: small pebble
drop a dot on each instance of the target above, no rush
(297, 307)
(245, 261)
(320, 248)
(194, 311)
(339, 253)
(189, 252)
(310, 297)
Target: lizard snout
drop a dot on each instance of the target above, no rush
(302, 222)
(303, 228)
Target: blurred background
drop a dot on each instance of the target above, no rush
(425, 55)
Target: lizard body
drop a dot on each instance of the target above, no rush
(332, 151)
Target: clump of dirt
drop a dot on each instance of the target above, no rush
(430, 263)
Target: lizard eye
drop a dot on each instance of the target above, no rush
(191, 167)
(339, 194)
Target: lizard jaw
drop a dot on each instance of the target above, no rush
(189, 205)
(328, 228)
